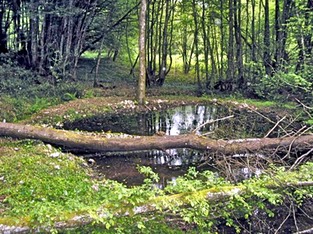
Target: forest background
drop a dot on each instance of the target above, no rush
(260, 48)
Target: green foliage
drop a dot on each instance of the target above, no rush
(126, 225)
(24, 93)
(257, 193)
(14, 109)
(39, 104)
(309, 122)
(41, 185)
(282, 85)
(193, 181)
(151, 177)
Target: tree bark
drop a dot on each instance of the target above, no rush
(196, 43)
(230, 49)
(142, 55)
(77, 142)
(267, 42)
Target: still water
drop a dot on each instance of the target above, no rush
(180, 120)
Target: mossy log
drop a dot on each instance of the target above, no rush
(75, 141)
(160, 204)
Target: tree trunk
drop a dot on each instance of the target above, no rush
(74, 141)
(142, 55)
(206, 45)
(267, 43)
(230, 50)
(197, 52)
(239, 51)
(164, 45)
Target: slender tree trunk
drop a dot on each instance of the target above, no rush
(96, 77)
(141, 92)
(253, 41)
(230, 50)
(278, 36)
(164, 44)
(214, 66)
(128, 46)
(34, 18)
(239, 56)
(171, 30)
(215, 51)
(205, 44)
(196, 40)
(267, 43)
(223, 45)
(308, 42)
(3, 32)
(305, 38)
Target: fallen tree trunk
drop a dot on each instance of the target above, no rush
(76, 141)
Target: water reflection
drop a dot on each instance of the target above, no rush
(180, 120)
(184, 119)
(174, 121)
(123, 168)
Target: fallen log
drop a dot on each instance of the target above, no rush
(75, 141)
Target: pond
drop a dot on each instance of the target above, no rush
(169, 164)
(177, 121)
(180, 120)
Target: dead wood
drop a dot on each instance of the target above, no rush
(75, 141)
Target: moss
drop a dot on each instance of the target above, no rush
(34, 175)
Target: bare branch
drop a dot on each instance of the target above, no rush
(272, 129)
(310, 230)
(211, 121)
(300, 159)
(268, 119)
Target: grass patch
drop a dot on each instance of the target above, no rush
(40, 184)
(266, 103)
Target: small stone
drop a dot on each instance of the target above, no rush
(55, 155)
(95, 187)
(49, 147)
(91, 161)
